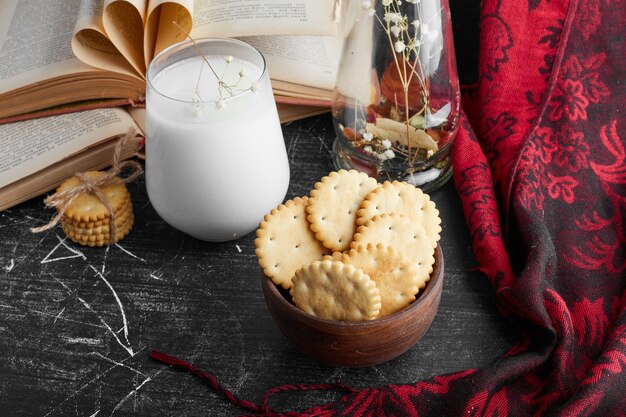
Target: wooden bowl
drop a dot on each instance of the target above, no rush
(362, 343)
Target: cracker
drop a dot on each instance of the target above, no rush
(395, 275)
(122, 213)
(405, 234)
(285, 242)
(99, 239)
(87, 207)
(80, 228)
(332, 208)
(333, 290)
(405, 199)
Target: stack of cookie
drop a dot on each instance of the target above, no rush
(354, 249)
(87, 221)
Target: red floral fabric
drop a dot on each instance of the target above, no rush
(540, 166)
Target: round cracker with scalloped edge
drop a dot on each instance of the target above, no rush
(121, 219)
(87, 207)
(395, 275)
(285, 242)
(99, 239)
(121, 215)
(405, 199)
(333, 290)
(333, 206)
(403, 233)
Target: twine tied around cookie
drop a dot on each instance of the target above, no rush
(62, 200)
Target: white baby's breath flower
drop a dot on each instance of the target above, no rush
(368, 149)
(228, 58)
(198, 106)
(393, 17)
(396, 17)
(386, 2)
(220, 103)
(388, 154)
(243, 72)
(254, 87)
(399, 46)
(416, 24)
(399, 2)
(367, 137)
(387, 143)
(395, 30)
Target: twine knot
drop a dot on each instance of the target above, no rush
(93, 185)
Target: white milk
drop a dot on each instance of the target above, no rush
(214, 174)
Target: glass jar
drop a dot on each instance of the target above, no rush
(396, 102)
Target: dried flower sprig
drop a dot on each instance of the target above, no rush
(406, 37)
(224, 89)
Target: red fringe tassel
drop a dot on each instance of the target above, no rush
(259, 410)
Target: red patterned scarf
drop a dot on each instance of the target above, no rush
(540, 166)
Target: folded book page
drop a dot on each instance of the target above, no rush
(123, 21)
(91, 44)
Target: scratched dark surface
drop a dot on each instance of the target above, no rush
(77, 324)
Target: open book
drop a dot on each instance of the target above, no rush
(61, 56)
(95, 52)
(38, 154)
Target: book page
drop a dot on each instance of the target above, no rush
(306, 60)
(229, 18)
(123, 21)
(35, 41)
(139, 116)
(90, 43)
(160, 32)
(29, 146)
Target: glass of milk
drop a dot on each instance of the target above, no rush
(216, 161)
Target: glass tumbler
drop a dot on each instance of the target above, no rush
(216, 160)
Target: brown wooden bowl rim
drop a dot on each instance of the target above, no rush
(435, 276)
